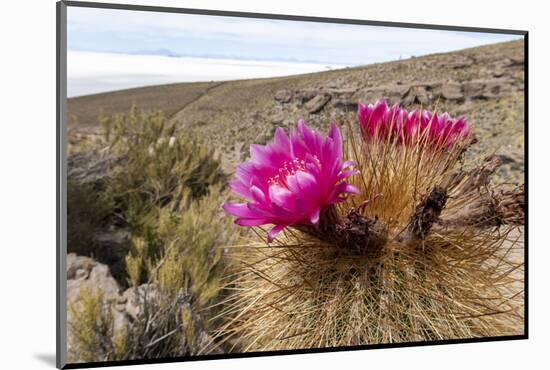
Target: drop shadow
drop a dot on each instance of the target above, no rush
(47, 358)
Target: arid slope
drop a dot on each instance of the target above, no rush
(485, 84)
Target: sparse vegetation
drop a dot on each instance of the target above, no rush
(92, 334)
(166, 189)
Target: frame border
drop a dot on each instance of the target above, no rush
(61, 186)
(288, 17)
(61, 172)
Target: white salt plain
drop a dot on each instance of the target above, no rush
(94, 72)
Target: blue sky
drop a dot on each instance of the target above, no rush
(125, 31)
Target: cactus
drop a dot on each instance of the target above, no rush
(401, 261)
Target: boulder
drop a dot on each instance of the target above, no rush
(392, 93)
(85, 274)
(91, 167)
(317, 103)
(416, 95)
(283, 96)
(79, 267)
(307, 95)
(496, 88)
(473, 88)
(447, 90)
(487, 88)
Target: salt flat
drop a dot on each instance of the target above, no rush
(94, 72)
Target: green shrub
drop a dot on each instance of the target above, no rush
(159, 160)
(167, 190)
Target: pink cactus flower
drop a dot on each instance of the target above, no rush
(395, 124)
(291, 180)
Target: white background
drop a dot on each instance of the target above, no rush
(27, 203)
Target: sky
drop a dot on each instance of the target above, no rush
(116, 49)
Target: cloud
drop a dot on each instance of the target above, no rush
(198, 35)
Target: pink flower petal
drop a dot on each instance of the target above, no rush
(314, 218)
(274, 231)
(282, 197)
(238, 210)
(252, 221)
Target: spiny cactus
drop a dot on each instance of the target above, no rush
(399, 259)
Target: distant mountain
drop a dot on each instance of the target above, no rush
(171, 53)
(160, 52)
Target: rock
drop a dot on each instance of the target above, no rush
(515, 62)
(416, 95)
(447, 90)
(85, 274)
(101, 277)
(473, 88)
(277, 118)
(90, 167)
(317, 103)
(126, 307)
(135, 297)
(306, 95)
(346, 105)
(487, 89)
(496, 88)
(81, 274)
(392, 93)
(283, 96)
(78, 265)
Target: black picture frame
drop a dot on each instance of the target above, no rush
(61, 174)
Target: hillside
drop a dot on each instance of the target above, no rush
(485, 84)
